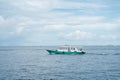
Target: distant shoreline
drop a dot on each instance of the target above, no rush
(56, 45)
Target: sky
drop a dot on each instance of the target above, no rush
(59, 22)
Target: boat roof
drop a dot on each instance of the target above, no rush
(70, 47)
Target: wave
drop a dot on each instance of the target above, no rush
(103, 53)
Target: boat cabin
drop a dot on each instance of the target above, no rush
(69, 49)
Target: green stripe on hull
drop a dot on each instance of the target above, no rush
(59, 52)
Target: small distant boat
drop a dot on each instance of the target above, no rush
(67, 50)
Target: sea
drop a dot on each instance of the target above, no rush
(34, 63)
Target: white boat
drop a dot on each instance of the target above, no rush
(67, 50)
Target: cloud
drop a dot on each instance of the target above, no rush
(19, 30)
(49, 20)
(86, 36)
(33, 5)
(46, 5)
(54, 27)
(1, 20)
(13, 26)
(79, 35)
(82, 23)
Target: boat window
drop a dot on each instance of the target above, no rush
(60, 48)
(80, 49)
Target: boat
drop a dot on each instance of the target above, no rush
(67, 50)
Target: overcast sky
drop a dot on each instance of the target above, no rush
(59, 22)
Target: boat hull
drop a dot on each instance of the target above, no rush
(61, 52)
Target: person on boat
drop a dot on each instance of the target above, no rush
(69, 50)
(80, 49)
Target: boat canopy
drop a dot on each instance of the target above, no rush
(69, 49)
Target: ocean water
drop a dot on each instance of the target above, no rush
(34, 63)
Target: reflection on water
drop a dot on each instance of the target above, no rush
(34, 63)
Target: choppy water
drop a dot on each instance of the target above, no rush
(34, 63)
